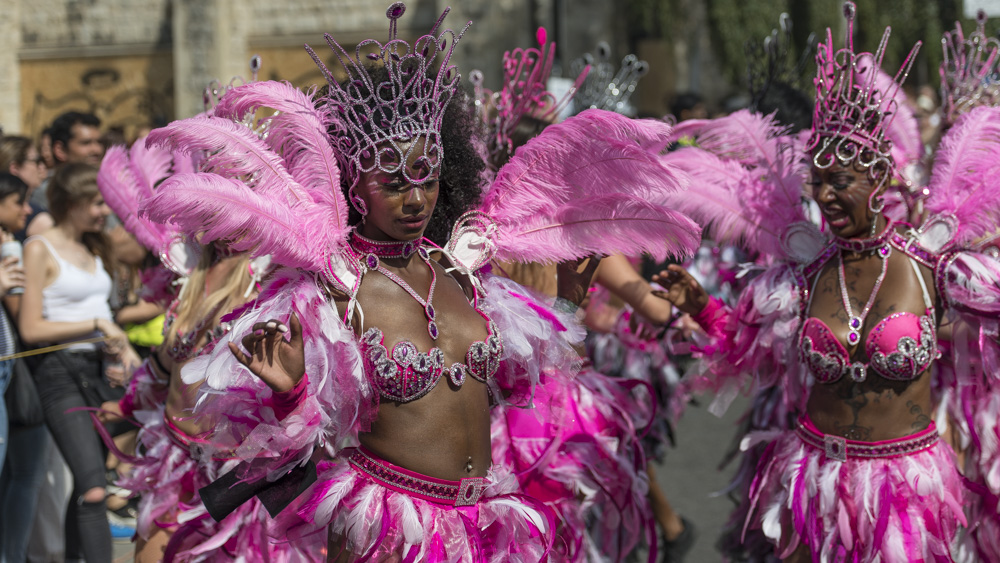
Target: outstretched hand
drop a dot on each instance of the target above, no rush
(572, 282)
(681, 289)
(277, 362)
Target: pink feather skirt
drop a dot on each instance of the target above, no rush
(167, 477)
(578, 451)
(895, 502)
(372, 510)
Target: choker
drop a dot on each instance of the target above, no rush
(867, 244)
(385, 248)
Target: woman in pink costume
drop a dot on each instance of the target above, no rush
(326, 377)
(849, 325)
(172, 465)
(970, 401)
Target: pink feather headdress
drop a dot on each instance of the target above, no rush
(968, 70)
(853, 111)
(128, 178)
(525, 76)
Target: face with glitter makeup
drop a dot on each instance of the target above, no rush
(397, 208)
(842, 193)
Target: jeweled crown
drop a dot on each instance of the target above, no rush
(969, 74)
(852, 114)
(606, 87)
(525, 78)
(381, 119)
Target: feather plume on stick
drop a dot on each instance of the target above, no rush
(964, 180)
(588, 186)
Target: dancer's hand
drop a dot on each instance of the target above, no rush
(573, 283)
(110, 412)
(681, 289)
(277, 362)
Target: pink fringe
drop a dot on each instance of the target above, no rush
(378, 524)
(893, 510)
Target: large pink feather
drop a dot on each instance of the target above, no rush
(714, 199)
(149, 165)
(601, 225)
(770, 197)
(224, 209)
(964, 180)
(585, 158)
(232, 150)
(123, 193)
(298, 132)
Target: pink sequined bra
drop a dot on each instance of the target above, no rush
(901, 347)
(405, 374)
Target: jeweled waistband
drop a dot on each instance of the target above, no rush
(840, 449)
(465, 492)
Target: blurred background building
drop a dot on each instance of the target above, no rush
(141, 63)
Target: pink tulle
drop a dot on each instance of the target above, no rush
(892, 510)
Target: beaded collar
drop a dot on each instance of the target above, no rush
(867, 244)
(384, 248)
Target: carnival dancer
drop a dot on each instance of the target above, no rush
(970, 98)
(863, 475)
(172, 465)
(338, 335)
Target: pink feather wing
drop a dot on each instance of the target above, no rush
(298, 132)
(231, 150)
(123, 194)
(218, 208)
(599, 226)
(551, 198)
(964, 180)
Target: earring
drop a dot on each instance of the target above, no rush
(357, 203)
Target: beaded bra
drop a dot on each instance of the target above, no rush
(404, 373)
(183, 347)
(900, 347)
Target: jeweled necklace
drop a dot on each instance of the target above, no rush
(856, 322)
(867, 244)
(372, 250)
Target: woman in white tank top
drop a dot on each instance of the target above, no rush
(66, 300)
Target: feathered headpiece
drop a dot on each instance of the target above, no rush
(969, 70)
(772, 61)
(379, 119)
(853, 111)
(525, 76)
(605, 87)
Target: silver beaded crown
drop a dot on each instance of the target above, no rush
(380, 121)
(525, 80)
(606, 87)
(853, 112)
(969, 74)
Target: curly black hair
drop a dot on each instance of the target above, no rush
(462, 167)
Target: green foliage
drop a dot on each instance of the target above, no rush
(734, 22)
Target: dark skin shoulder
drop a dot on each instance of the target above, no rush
(440, 433)
(877, 408)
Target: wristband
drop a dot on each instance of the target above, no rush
(284, 402)
(707, 314)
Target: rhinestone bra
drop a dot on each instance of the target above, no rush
(405, 374)
(901, 346)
